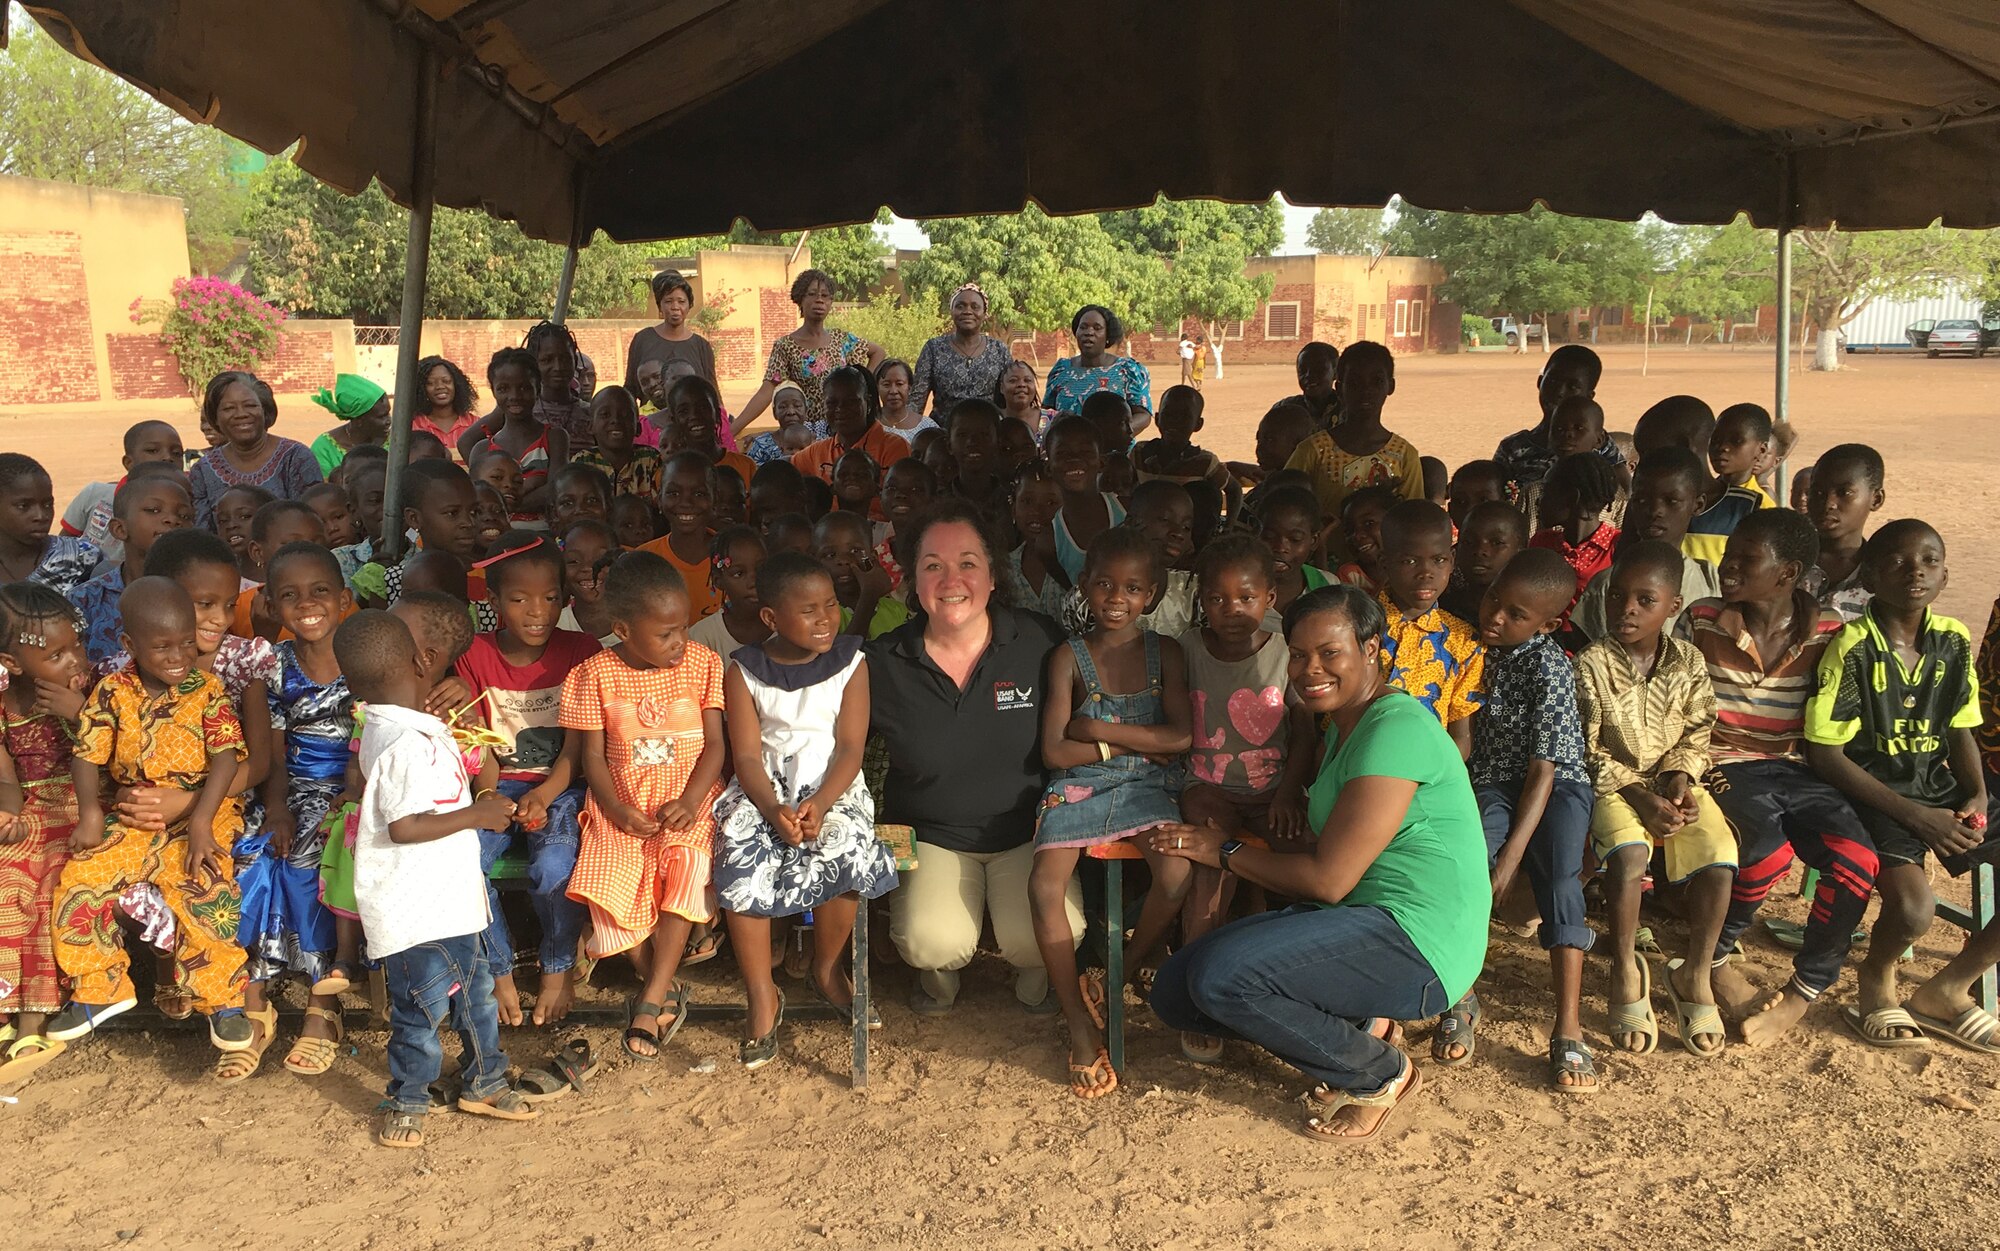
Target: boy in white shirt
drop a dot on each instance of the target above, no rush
(417, 884)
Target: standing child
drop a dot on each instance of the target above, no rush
(1117, 703)
(1282, 428)
(1846, 491)
(647, 714)
(1076, 457)
(796, 828)
(28, 552)
(285, 927)
(1426, 651)
(1250, 757)
(697, 413)
(1892, 726)
(148, 504)
(538, 449)
(1535, 799)
(687, 498)
(1173, 455)
(89, 514)
(1164, 513)
(1475, 483)
(47, 674)
(159, 722)
(1763, 640)
(1488, 537)
(1034, 575)
(738, 554)
(1526, 456)
(1360, 451)
(1294, 531)
(973, 437)
(517, 673)
(1648, 711)
(856, 483)
(632, 468)
(577, 492)
(908, 491)
(418, 886)
(1576, 429)
(1741, 442)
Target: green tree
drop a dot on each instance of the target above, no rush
(1036, 269)
(67, 120)
(1166, 228)
(1529, 264)
(1718, 274)
(1838, 273)
(850, 255)
(1346, 231)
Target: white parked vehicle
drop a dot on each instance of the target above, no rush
(1513, 331)
(1957, 335)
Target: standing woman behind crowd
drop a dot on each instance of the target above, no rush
(674, 339)
(807, 355)
(963, 365)
(448, 392)
(363, 409)
(899, 414)
(1019, 395)
(1394, 895)
(249, 454)
(954, 694)
(1074, 379)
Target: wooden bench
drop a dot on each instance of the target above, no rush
(1986, 991)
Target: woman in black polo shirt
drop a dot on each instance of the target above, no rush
(956, 694)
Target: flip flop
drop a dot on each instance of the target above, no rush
(1201, 1048)
(1637, 1017)
(19, 1066)
(1094, 1080)
(1457, 1027)
(504, 1105)
(1095, 999)
(338, 980)
(1874, 1028)
(1390, 1099)
(1695, 1020)
(568, 1069)
(1974, 1029)
(755, 1053)
(1569, 1057)
(704, 949)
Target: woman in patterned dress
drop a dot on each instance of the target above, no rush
(966, 364)
(807, 355)
(1094, 368)
(249, 454)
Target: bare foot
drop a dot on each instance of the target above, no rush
(554, 997)
(835, 987)
(1734, 990)
(1774, 1018)
(507, 999)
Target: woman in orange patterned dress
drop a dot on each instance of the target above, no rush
(649, 714)
(47, 672)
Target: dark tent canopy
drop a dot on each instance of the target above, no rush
(672, 118)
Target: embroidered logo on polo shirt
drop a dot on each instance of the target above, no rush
(1007, 697)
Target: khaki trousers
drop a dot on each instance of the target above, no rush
(936, 911)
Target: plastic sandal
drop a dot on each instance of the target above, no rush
(20, 1066)
(568, 1069)
(1974, 1029)
(1457, 1027)
(310, 1057)
(1569, 1057)
(1696, 1020)
(1095, 999)
(1874, 1028)
(174, 1002)
(506, 1104)
(1320, 1120)
(1094, 1080)
(755, 1053)
(236, 1066)
(1637, 1017)
(339, 980)
(400, 1129)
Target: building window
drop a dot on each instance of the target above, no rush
(1613, 316)
(1416, 319)
(1402, 329)
(1281, 319)
(1234, 329)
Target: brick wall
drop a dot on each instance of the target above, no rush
(736, 355)
(776, 314)
(142, 370)
(47, 355)
(1405, 342)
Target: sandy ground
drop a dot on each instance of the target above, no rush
(965, 1137)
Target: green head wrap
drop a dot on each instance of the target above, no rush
(351, 396)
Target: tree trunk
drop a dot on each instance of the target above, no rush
(1824, 314)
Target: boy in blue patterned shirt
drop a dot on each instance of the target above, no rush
(1535, 796)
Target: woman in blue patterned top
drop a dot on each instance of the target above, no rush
(1075, 379)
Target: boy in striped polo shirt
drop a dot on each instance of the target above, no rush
(1892, 726)
(1762, 641)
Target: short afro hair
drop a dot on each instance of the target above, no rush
(1754, 418)
(1671, 460)
(1501, 511)
(1543, 573)
(782, 572)
(1649, 556)
(1677, 421)
(1410, 520)
(1883, 542)
(1850, 457)
(523, 548)
(1791, 536)
(638, 581)
(304, 551)
(373, 646)
(1120, 542)
(446, 622)
(178, 551)
(1238, 550)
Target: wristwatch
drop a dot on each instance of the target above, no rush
(1229, 849)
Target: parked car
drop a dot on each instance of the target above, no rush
(1957, 335)
(1513, 332)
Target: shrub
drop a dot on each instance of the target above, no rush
(1477, 330)
(210, 325)
(900, 328)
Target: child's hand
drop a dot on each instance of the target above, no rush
(1658, 814)
(205, 862)
(636, 822)
(786, 823)
(89, 832)
(1084, 730)
(1943, 831)
(1287, 818)
(679, 814)
(151, 808)
(491, 811)
(809, 819)
(531, 811)
(448, 696)
(874, 579)
(62, 701)
(282, 827)
(10, 829)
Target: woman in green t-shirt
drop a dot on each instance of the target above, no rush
(1394, 927)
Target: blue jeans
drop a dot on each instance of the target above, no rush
(1300, 983)
(431, 984)
(551, 860)
(1553, 857)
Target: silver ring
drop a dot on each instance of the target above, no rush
(1177, 842)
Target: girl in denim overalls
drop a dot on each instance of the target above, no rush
(1114, 722)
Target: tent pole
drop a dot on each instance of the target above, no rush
(416, 268)
(1781, 406)
(567, 282)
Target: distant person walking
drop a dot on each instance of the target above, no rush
(1187, 360)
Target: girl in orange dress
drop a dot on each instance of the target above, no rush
(649, 711)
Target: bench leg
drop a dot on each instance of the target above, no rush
(861, 995)
(1114, 963)
(1985, 991)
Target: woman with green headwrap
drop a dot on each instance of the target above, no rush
(363, 409)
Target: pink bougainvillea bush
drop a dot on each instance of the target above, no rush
(210, 325)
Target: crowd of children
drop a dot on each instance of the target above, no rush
(300, 741)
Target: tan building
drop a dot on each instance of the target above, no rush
(1342, 299)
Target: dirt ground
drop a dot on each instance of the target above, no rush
(965, 1136)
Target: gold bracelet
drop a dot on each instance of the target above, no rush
(479, 795)
(1104, 751)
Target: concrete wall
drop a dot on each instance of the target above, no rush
(72, 261)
